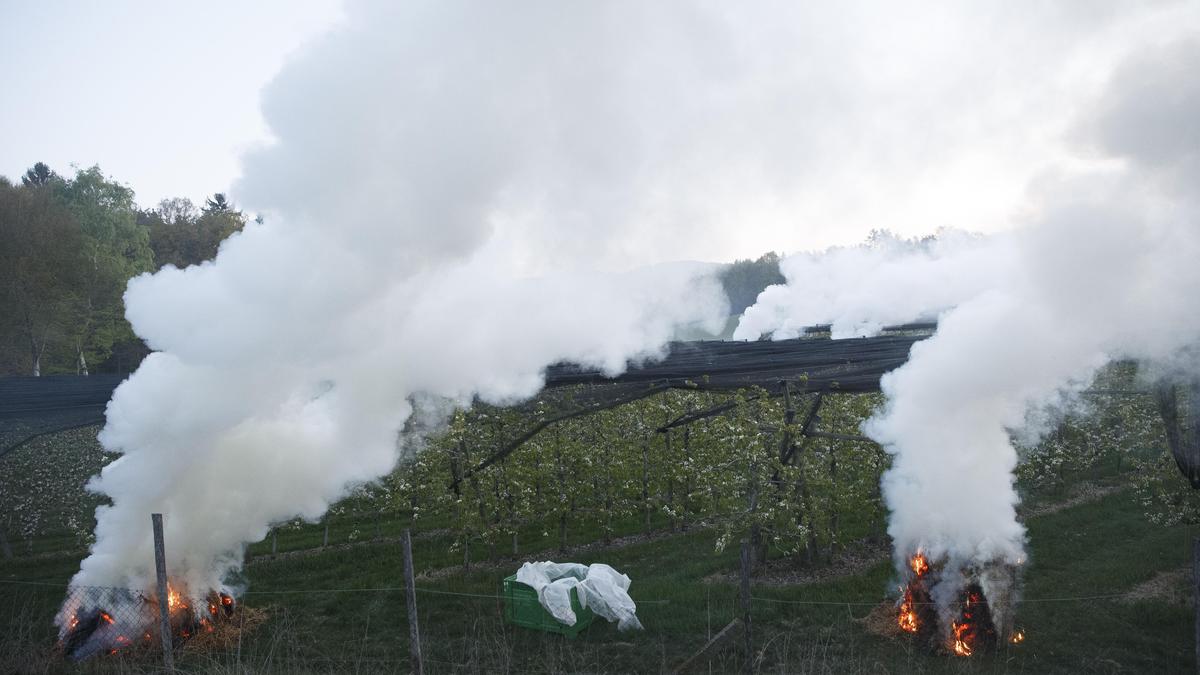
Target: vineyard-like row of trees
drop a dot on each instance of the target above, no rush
(610, 473)
(68, 246)
(728, 471)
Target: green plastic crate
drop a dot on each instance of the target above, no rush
(521, 608)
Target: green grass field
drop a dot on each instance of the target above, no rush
(340, 608)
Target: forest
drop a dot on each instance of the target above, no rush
(68, 245)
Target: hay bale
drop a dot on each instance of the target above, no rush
(227, 633)
(881, 621)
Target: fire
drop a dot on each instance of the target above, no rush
(908, 616)
(95, 631)
(968, 630)
(970, 627)
(174, 600)
(908, 619)
(919, 564)
(962, 638)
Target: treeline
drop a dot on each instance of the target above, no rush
(743, 280)
(68, 246)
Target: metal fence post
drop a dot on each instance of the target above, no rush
(164, 612)
(410, 595)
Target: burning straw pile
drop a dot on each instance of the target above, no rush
(952, 609)
(97, 621)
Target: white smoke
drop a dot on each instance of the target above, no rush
(1105, 267)
(408, 166)
(429, 157)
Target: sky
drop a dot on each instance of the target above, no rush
(163, 96)
(782, 127)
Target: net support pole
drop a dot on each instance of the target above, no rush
(744, 597)
(160, 570)
(410, 597)
(1196, 595)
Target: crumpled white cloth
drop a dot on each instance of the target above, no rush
(601, 588)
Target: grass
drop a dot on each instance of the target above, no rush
(326, 612)
(332, 624)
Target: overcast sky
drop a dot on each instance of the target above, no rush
(163, 96)
(781, 128)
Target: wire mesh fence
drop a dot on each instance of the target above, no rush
(463, 630)
(341, 608)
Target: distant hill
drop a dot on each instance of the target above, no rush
(742, 280)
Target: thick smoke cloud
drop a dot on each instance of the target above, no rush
(1105, 267)
(285, 370)
(452, 184)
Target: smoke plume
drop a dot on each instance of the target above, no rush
(1103, 268)
(454, 189)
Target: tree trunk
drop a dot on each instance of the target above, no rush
(646, 485)
(562, 532)
(756, 539)
(834, 514)
(688, 485)
(670, 480)
(36, 354)
(562, 492)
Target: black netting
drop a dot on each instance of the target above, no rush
(32, 406)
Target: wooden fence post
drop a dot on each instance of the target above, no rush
(410, 596)
(160, 570)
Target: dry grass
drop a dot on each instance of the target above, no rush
(1171, 586)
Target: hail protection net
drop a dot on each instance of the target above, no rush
(810, 364)
(34, 406)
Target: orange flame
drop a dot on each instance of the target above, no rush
(964, 631)
(908, 616)
(174, 599)
(961, 634)
(106, 617)
(919, 564)
(1018, 637)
